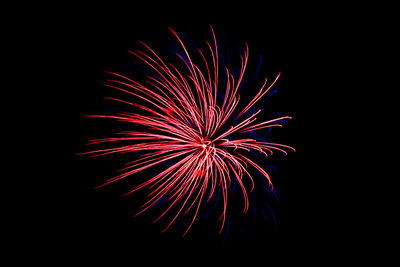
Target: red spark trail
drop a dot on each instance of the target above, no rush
(184, 123)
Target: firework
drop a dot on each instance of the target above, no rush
(181, 119)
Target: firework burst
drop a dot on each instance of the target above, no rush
(182, 119)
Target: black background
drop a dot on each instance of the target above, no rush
(98, 225)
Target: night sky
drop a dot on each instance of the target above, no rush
(99, 222)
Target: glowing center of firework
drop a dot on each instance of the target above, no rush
(205, 143)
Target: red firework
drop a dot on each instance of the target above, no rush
(183, 123)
